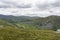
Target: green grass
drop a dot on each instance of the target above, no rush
(23, 34)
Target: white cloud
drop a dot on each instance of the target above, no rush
(30, 7)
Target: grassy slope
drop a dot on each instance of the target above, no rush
(19, 34)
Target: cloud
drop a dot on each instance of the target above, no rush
(43, 6)
(7, 4)
(48, 5)
(56, 4)
(24, 6)
(30, 8)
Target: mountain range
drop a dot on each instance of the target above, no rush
(27, 22)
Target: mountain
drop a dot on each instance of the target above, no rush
(27, 22)
(17, 21)
(50, 22)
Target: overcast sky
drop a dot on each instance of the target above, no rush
(30, 7)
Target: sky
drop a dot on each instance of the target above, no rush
(40, 8)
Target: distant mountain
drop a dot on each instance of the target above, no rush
(50, 22)
(16, 21)
(26, 22)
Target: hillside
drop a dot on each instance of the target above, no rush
(29, 28)
(18, 34)
(26, 22)
(50, 22)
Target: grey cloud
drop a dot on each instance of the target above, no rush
(5, 6)
(43, 6)
(24, 6)
(56, 4)
(48, 5)
(8, 4)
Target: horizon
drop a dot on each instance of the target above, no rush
(27, 16)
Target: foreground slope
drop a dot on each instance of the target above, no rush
(19, 34)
